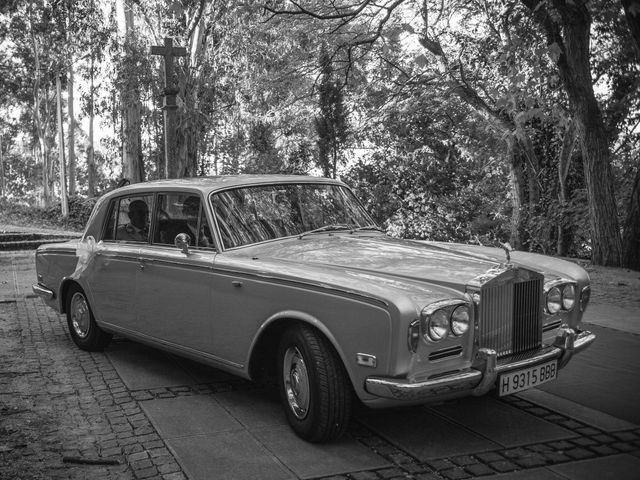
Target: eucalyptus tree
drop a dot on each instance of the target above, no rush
(32, 46)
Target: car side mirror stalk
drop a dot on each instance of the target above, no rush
(182, 241)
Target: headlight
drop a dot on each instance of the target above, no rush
(441, 319)
(438, 325)
(554, 300)
(568, 297)
(560, 296)
(460, 320)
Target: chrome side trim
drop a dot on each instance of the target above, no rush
(41, 291)
(301, 283)
(478, 381)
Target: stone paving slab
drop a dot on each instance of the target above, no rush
(615, 467)
(254, 409)
(234, 455)
(579, 412)
(501, 423)
(188, 416)
(617, 394)
(425, 434)
(142, 367)
(309, 460)
(533, 474)
(203, 373)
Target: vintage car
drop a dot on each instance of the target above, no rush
(288, 279)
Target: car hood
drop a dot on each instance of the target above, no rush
(448, 265)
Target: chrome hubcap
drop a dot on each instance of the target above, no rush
(80, 316)
(296, 382)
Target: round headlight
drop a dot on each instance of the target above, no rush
(568, 297)
(438, 325)
(554, 300)
(460, 320)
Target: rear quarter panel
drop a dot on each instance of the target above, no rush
(54, 263)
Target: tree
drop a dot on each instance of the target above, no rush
(132, 165)
(361, 24)
(331, 124)
(567, 27)
(631, 235)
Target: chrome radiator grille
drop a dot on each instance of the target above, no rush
(509, 316)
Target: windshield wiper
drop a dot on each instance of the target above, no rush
(367, 227)
(326, 228)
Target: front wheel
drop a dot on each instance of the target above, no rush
(83, 328)
(314, 386)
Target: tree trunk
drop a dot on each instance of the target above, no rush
(631, 236)
(567, 26)
(62, 167)
(2, 192)
(72, 132)
(632, 12)
(564, 162)
(91, 164)
(516, 181)
(576, 76)
(40, 149)
(132, 167)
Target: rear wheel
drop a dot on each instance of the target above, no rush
(314, 386)
(84, 331)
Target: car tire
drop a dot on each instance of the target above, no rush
(314, 386)
(83, 328)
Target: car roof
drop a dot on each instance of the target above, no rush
(219, 182)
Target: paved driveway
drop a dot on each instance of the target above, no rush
(135, 412)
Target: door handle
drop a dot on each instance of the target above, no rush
(236, 283)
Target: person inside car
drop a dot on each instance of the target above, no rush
(137, 230)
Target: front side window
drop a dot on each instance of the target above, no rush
(182, 213)
(129, 219)
(255, 214)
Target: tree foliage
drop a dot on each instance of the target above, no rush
(471, 121)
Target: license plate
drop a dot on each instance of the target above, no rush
(519, 380)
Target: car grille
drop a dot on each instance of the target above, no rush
(509, 316)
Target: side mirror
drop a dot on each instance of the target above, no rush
(182, 241)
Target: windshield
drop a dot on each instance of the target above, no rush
(255, 214)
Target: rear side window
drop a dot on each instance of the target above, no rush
(182, 213)
(129, 219)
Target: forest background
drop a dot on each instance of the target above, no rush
(464, 120)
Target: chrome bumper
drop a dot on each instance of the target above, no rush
(42, 291)
(478, 381)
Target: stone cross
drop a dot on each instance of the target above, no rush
(169, 52)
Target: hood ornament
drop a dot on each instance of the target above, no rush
(507, 249)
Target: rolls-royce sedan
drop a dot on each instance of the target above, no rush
(288, 279)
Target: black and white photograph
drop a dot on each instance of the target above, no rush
(320, 239)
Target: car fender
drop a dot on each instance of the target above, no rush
(304, 317)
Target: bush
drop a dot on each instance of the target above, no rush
(51, 217)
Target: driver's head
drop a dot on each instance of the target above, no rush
(139, 214)
(191, 206)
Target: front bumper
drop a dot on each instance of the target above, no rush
(478, 381)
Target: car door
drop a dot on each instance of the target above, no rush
(112, 273)
(174, 288)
